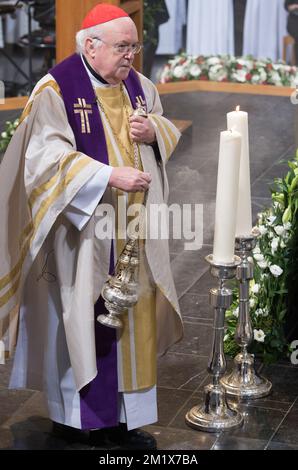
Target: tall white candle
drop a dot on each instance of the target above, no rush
(238, 120)
(227, 196)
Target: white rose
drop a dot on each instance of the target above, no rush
(279, 229)
(263, 264)
(276, 270)
(275, 78)
(195, 70)
(213, 61)
(217, 73)
(252, 303)
(263, 230)
(4, 135)
(259, 336)
(259, 257)
(256, 288)
(256, 78)
(178, 71)
(240, 76)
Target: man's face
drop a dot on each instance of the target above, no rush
(106, 60)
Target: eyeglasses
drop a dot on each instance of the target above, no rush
(123, 48)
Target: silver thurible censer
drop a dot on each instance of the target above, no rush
(120, 292)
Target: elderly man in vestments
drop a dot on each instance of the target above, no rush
(72, 152)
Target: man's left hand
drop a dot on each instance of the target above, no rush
(141, 130)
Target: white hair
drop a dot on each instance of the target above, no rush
(82, 35)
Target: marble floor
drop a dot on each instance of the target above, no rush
(269, 423)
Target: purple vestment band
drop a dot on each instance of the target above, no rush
(99, 399)
(74, 83)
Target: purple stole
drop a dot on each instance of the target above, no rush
(98, 399)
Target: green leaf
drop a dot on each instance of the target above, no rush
(287, 215)
(292, 165)
(281, 315)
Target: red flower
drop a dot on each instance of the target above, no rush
(203, 77)
(239, 67)
(269, 66)
(248, 77)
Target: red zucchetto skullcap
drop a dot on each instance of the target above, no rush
(102, 13)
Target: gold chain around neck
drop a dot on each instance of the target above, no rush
(134, 148)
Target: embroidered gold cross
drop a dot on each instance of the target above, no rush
(141, 107)
(140, 102)
(83, 109)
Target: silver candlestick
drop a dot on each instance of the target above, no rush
(244, 382)
(215, 414)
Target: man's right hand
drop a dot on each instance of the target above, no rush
(129, 179)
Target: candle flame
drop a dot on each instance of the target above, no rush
(238, 108)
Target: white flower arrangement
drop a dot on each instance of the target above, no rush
(275, 270)
(228, 68)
